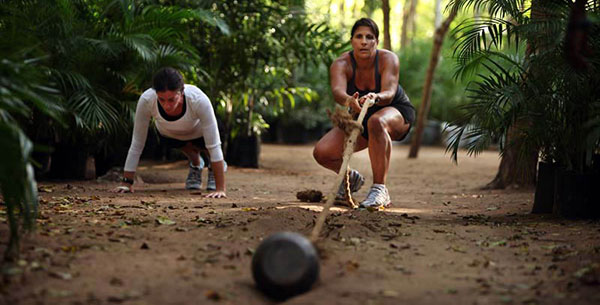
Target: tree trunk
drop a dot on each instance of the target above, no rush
(513, 171)
(438, 13)
(355, 11)
(438, 40)
(411, 20)
(343, 14)
(387, 42)
(403, 35)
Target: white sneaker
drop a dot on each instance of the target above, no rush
(377, 198)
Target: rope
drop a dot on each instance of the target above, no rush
(348, 149)
(344, 121)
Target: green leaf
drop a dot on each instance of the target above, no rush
(163, 220)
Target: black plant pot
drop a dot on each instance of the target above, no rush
(244, 151)
(71, 162)
(544, 189)
(577, 195)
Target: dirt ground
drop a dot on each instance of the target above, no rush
(442, 241)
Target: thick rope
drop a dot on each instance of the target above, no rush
(349, 200)
(342, 119)
(348, 149)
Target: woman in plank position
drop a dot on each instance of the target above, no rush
(185, 119)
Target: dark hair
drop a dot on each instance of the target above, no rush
(167, 79)
(368, 22)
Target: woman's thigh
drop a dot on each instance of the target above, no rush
(332, 143)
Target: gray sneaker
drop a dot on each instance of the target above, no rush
(211, 183)
(194, 178)
(377, 198)
(356, 182)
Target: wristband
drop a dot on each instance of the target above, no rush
(127, 180)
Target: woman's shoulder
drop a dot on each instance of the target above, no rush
(148, 96)
(387, 55)
(195, 93)
(388, 59)
(343, 62)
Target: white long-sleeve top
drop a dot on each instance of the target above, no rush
(198, 121)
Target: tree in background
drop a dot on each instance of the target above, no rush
(100, 55)
(387, 40)
(24, 89)
(67, 68)
(438, 40)
(532, 98)
(252, 70)
(408, 22)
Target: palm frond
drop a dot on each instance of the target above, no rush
(17, 184)
(94, 112)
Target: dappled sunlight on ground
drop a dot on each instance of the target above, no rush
(442, 241)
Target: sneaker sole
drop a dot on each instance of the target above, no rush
(376, 207)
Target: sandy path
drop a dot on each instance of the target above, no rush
(442, 241)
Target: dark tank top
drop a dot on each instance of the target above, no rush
(399, 97)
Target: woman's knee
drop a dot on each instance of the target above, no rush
(322, 155)
(319, 154)
(376, 124)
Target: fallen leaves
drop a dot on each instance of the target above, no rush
(403, 269)
(589, 275)
(456, 248)
(163, 220)
(212, 295)
(60, 275)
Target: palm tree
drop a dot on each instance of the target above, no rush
(72, 69)
(101, 55)
(23, 87)
(529, 96)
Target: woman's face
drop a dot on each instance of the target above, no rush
(364, 42)
(170, 100)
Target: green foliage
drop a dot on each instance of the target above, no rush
(534, 90)
(252, 71)
(86, 58)
(448, 93)
(23, 87)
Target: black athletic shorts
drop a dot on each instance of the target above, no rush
(400, 102)
(174, 143)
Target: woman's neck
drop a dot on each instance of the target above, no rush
(365, 63)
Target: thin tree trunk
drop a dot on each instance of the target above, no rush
(343, 14)
(438, 13)
(411, 20)
(438, 40)
(355, 11)
(387, 40)
(404, 34)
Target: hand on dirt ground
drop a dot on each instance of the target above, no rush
(216, 194)
(372, 96)
(123, 188)
(353, 102)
